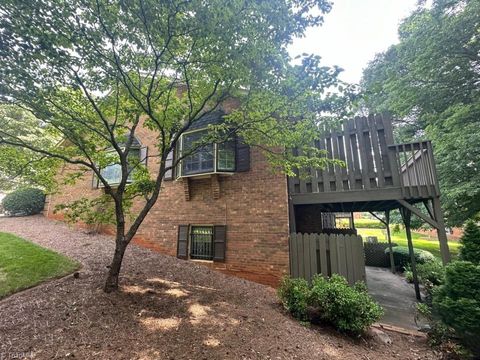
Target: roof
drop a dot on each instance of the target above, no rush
(211, 118)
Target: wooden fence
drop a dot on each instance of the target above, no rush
(312, 254)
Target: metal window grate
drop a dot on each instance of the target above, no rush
(201, 242)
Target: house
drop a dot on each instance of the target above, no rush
(223, 206)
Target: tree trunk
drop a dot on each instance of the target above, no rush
(111, 284)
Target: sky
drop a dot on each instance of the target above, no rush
(353, 32)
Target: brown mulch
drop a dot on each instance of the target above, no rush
(166, 309)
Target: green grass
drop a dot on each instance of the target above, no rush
(420, 241)
(24, 264)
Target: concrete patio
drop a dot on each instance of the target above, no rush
(396, 296)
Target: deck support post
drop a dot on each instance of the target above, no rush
(441, 233)
(407, 216)
(389, 239)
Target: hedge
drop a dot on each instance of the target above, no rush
(26, 201)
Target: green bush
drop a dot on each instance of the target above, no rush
(26, 201)
(349, 309)
(470, 249)
(431, 271)
(294, 295)
(401, 256)
(457, 302)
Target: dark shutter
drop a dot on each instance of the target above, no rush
(219, 242)
(169, 162)
(182, 244)
(144, 155)
(242, 153)
(94, 180)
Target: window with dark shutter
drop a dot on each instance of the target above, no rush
(219, 242)
(182, 244)
(242, 156)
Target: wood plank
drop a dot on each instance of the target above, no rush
(341, 256)
(350, 164)
(363, 156)
(326, 182)
(349, 259)
(368, 152)
(293, 256)
(356, 157)
(306, 257)
(313, 255)
(336, 169)
(323, 239)
(331, 170)
(376, 151)
(341, 153)
(332, 245)
(358, 258)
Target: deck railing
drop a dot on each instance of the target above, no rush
(372, 161)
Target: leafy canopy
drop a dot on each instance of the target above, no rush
(430, 83)
(93, 72)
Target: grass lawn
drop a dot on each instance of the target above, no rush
(420, 241)
(24, 264)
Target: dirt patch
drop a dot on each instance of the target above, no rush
(166, 309)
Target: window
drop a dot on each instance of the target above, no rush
(210, 158)
(113, 173)
(201, 242)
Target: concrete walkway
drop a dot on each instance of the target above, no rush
(396, 296)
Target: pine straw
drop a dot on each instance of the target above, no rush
(166, 309)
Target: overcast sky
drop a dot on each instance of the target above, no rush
(353, 32)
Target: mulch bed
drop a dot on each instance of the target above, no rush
(166, 309)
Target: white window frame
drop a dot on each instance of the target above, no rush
(179, 169)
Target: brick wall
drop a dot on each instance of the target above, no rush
(253, 206)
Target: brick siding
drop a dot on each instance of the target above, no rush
(253, 205)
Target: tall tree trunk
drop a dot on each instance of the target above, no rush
(111, 284)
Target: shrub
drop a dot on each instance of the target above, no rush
(349, 309)
(26, 201)
(401, 256)
(294, 295)
(457, 302)
(470, 249)
(431, 271)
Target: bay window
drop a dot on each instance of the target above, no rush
(207, 158)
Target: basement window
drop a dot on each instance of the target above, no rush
(201, 242)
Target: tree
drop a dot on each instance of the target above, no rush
(429, 83)
(94, 71)
(470, 249)
(21, 167)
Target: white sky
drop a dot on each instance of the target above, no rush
(353, 32)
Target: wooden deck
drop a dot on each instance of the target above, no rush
(375, 169)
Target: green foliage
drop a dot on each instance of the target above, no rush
(25, 201)
(20, 167)
(93, 212)
(294, 295)
(457, 302)
(368, 224)
(401, 256)
(429, 82)
(470, 249)
(431, 271)
(349, 309)
(396, 229)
